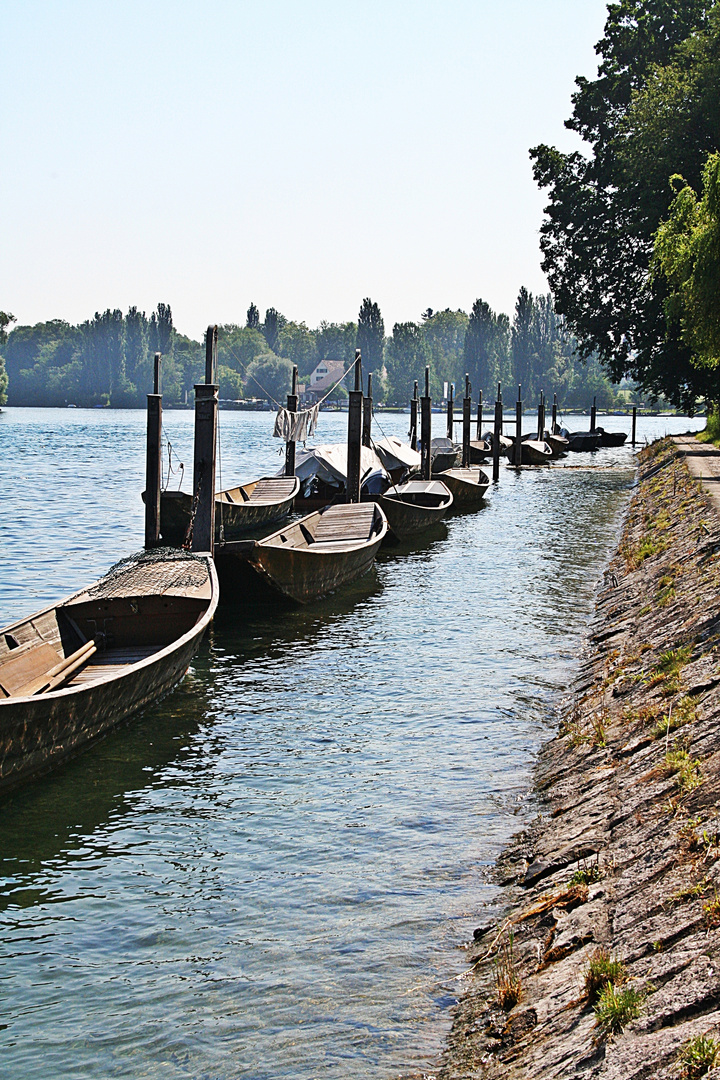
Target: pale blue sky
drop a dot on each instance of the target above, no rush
(298, 153)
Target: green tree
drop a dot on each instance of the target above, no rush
(252, 320)
(5, 319)
(406, 357)
(485, 348)
(336, 341)
(297, 343)
(604, 207)
(444, 333)
(687, 254)
(238, 346)
(371, 335)
(270, 377)
(271, 328)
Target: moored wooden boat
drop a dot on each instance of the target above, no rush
(581, 441)
(315, 555)
(610, 438)
(74, 670)
(468, 487)
(506, 443)
(443, 455)
(417, 505)
(535, 452)
(479, 451)
(557, 443)
(238, 510)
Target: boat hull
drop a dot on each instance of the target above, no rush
(407, 518)
(304, 575)
(468, 487)
(480, 451)
(319, 553)
(232, 520)
(535, 453)
(582, 442)
(611, 438)
(39, 732)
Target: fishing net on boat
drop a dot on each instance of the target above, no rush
(157, 570)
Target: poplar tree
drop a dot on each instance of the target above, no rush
(371, 335)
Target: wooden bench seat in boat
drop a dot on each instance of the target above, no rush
(272, 490)
(352, 522)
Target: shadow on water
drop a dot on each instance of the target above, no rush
(56, 814)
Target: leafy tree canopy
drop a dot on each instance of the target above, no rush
(270, 377)
(640, 124)
(687, 254)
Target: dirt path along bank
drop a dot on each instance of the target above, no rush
(608, 963)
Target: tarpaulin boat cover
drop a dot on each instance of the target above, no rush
(395, 454)
(329, 464)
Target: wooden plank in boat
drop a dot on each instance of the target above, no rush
(22, 666)
(273, 490)
(352, 522)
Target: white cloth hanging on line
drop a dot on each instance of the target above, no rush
(296, 426)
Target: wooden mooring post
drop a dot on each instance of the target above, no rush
(478, 429)
(367, 413)
(541, 417)
(467, 409)
(593, 415)
(634, 424)
(497, 432)
(206, 406)
(292, 405)
(153, 460)
(451, 412)
(425, 428)
(554, 415)
(354, 444)
(517, 448)
(414, 417)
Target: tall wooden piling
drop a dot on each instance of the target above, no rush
(517, 448)
(206, 405)
(414, 417)
(497, 432)
(367, 413)
(292, 405)
(467, 408)
(478, 429)
(354, 444)
(593, 415)
(541, 417)
(554, 415)
(451, 412)
(634, 424)
(425, 428)
(153, 460)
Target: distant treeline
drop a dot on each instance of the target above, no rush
(107, 360)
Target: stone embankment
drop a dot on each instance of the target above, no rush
(608, 962)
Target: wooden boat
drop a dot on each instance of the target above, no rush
(315, 555)
(480, 451)
(238, 510)
(610, 438)
(468, 487)
(506, 443)
(443, 455)
(417, 505)
(535, 452)
(72, 671)
(581, 441)
(557, 443)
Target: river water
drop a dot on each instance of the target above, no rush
(273, 872)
